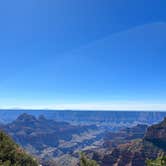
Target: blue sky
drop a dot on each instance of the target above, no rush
(89, 54)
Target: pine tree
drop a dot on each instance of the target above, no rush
(160, 161)
(12, 155)
(85, 161)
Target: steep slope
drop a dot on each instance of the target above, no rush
(135, 153)
(48, 139)
(12, 155)
(157, 134)
(112, 139)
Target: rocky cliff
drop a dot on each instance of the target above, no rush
(135, 153)
(157, 134)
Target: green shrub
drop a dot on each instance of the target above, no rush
(85, 161)
(160, 161)
(12, 155)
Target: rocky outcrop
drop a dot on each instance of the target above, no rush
(47, 138)
(157, 134)
(129, 154)
(135, 153)
(112, 139)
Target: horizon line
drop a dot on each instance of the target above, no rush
(88, 110)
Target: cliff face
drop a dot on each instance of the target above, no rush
(112, 139)
(135, 153)
(157, 134)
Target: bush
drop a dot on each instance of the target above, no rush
(160, 161)
(12, 155)
(85, 161)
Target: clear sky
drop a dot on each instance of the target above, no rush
(83, 54)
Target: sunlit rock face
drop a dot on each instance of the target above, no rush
(135, 152)
(157, 134)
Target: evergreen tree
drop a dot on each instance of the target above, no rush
(85, 161)
(12, 155)
(160, 161)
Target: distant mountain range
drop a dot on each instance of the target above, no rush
(114, 118)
